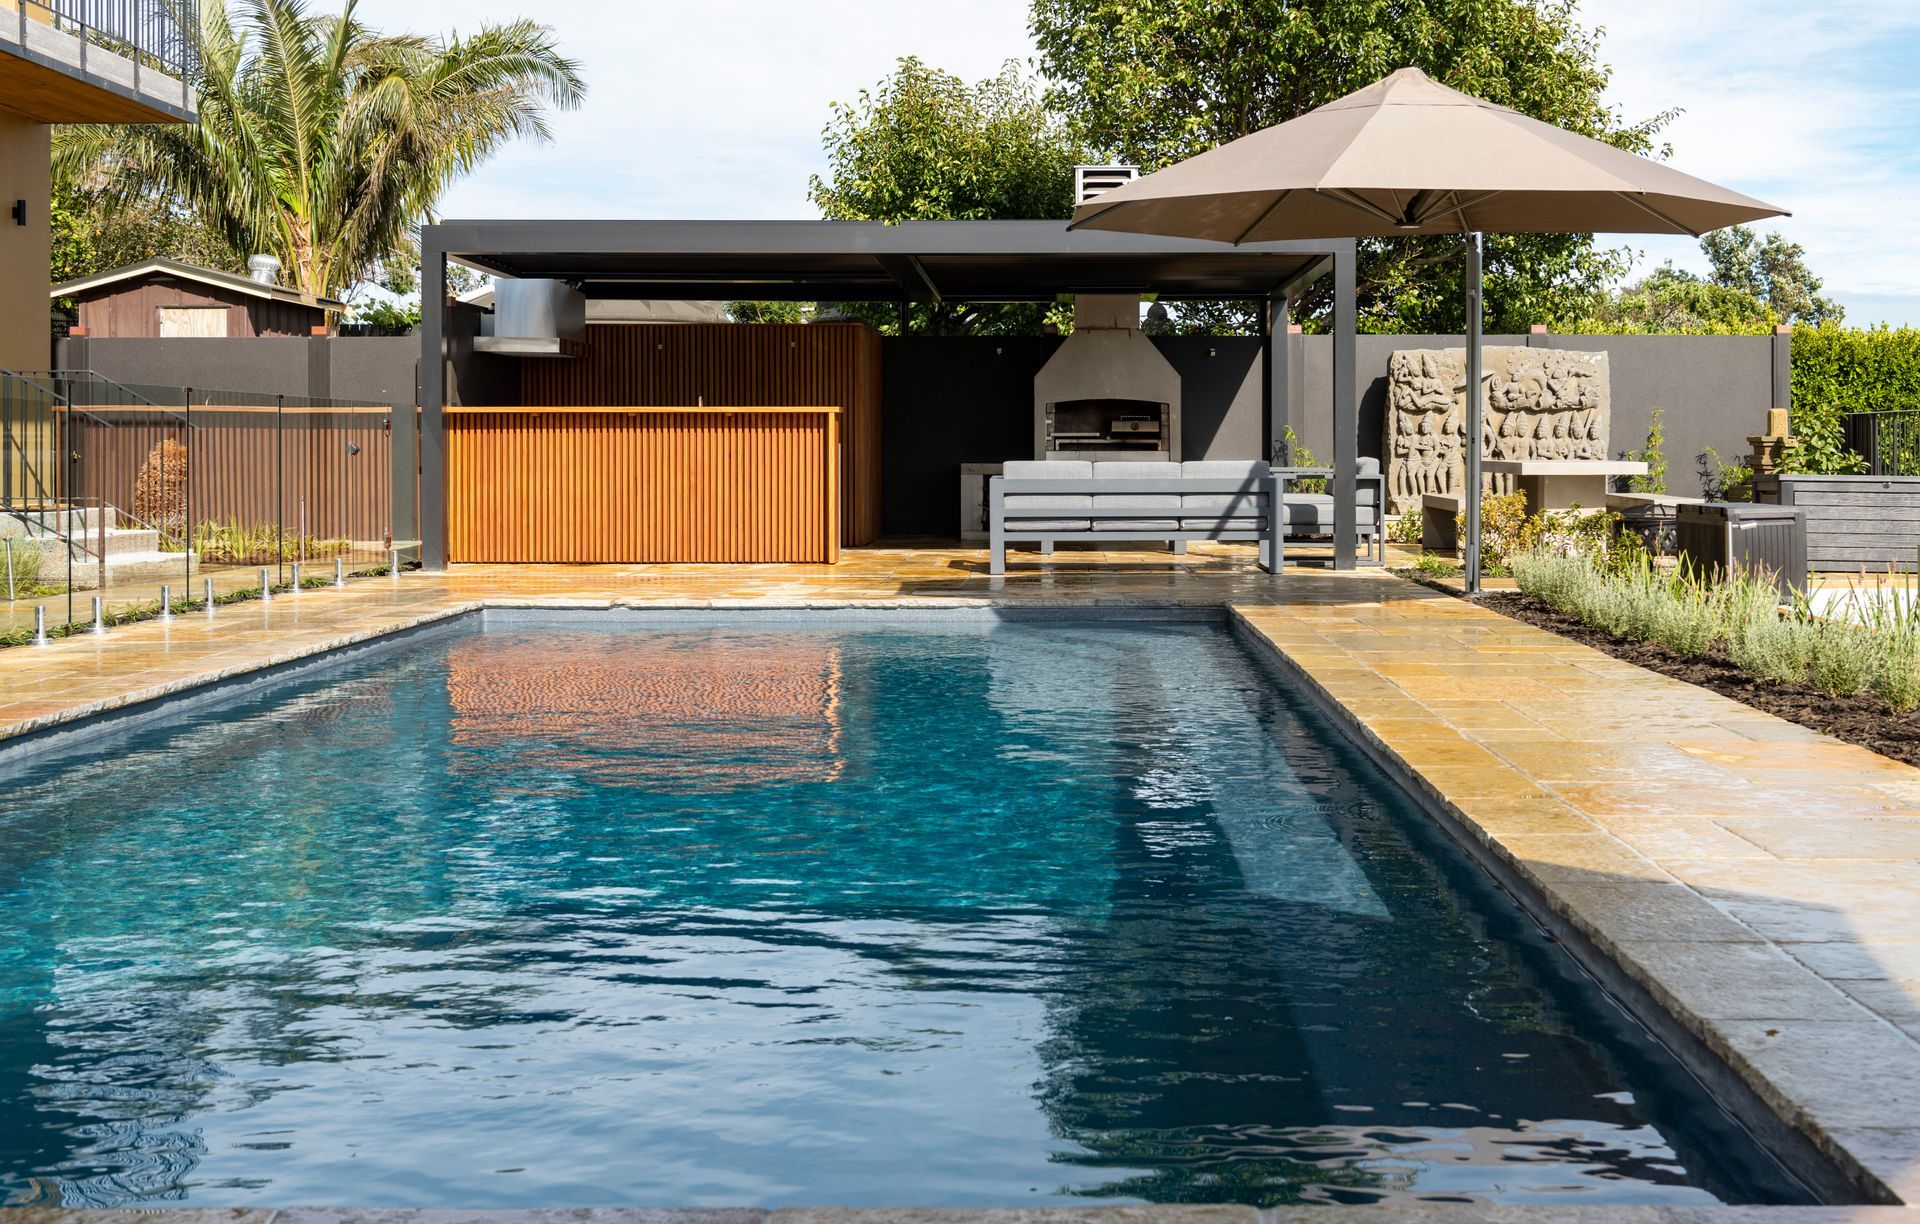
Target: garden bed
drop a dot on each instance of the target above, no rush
(1865, 719)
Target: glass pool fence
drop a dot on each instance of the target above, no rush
(113, 495)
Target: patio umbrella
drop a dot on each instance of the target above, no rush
(1407, 155)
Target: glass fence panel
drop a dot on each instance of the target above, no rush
(120, 492)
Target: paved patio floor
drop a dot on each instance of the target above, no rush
(1759, 881)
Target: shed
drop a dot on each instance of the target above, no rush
(167, 298)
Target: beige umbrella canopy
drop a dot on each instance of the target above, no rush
(1407, 155)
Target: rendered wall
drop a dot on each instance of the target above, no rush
(25, 250)
(1715, 390)
(366, 369)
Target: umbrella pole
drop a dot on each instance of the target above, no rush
(1474, 412)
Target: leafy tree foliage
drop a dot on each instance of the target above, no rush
(770, 312)
(1772, 270)
(322, 141)
(1671, 300)
(924, 145)
(91, 236)
(1155, 81)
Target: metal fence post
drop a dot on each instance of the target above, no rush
(99, 615)
(339, 571)
(186, 495)
(166, 602)
(266, 588)
(207, 586)
(40, 624)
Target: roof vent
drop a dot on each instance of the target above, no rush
(1090, 181)
(264, 268)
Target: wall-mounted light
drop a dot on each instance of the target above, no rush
(19, 212)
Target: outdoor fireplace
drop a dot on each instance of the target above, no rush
(1107, 393)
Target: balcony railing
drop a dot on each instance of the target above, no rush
(163, 35)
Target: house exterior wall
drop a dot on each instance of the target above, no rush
(131, 310)
(25, 250)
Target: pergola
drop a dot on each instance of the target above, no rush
(928, 261)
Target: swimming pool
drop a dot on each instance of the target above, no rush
(586, 913)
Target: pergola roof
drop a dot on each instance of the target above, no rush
(975, 261)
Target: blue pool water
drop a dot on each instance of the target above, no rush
(579, 915)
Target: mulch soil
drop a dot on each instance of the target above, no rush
(1864, 719)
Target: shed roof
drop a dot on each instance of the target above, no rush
(975, 261)
(231, 281)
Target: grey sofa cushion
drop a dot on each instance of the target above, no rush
(1135, 469)
(1222, 503)
(1046, 469)
(1249, 471)
(1226, 524)
(1313, 512)
(1136, 524)
(1037, 524)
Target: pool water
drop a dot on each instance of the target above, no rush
(579, 915)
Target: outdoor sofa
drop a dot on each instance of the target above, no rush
(1045, 501)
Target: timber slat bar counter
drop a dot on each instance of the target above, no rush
(741, 483)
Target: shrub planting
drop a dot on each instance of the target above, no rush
(1869, 642)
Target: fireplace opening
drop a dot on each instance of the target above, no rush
(1105, 428)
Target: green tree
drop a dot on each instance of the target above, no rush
(92, 235)
(923, 145)
(1155, 81)
(322, 141)
(1671, 300)
(1771, 269)
(770, 312)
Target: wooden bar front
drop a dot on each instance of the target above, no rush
(643, 484)
(697, 364)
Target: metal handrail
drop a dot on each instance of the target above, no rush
(92, 376)
(163, 34)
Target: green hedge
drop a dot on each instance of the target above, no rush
(1840, 370)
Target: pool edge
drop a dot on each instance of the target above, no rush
(1832, 1170)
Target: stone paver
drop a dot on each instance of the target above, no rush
(1758, 880)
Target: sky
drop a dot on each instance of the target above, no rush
(715, 109)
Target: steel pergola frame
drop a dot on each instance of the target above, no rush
(928, 261)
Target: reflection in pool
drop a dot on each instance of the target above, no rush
(1041, 912)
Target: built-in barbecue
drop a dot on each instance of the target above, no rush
(1107, 393)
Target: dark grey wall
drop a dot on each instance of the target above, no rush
(948, 400)
(951, 400)
(375, 369)
(1715, 391)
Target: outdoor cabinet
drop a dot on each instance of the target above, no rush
(1719, 537)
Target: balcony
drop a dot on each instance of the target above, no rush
(99, 61)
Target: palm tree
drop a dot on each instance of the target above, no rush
(324, 142)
